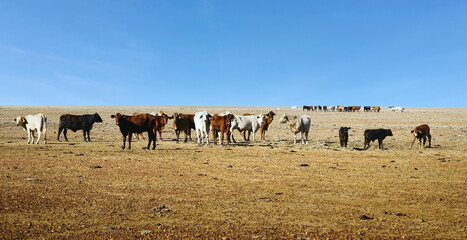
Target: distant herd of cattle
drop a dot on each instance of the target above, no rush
(202, 122)
(348, 108)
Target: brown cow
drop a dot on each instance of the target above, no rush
(183, 122)
(266, 123)
(220, 124)
(421, 132)
(161, 126)
(136, 124)
(375, 109)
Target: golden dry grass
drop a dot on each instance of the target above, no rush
(262, 190)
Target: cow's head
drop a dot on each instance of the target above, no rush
(97, 118)
(270, 114)
(284, 118)
(229, 117)
(260, 118)
(117, 117)
(388, 132)
(417, 132)
(345, 129)
(20, 121)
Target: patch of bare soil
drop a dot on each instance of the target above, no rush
(258, 190)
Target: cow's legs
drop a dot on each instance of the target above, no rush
(206, 135)
(177, 134)
(294, 138)
(38, 136)
(29, 136)
(366, 144)
(187, 131)
(152, 139)
(198, 136)
(59, 131)
(64, 134)
(306, 138)
(45, 134)
(249, 134)
(124, 141)
(84, 135)
(214, 136)
(189, 134)
(380, 143)
(412, 142)
(129, 141)
(424, 142)
(228, 137)
(89, 137)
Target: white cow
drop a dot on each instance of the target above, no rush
(202, 126)
(397, 109)
(32, 123)
(248, 123)
(297, 125)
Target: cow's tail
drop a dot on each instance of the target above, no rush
(44, 127)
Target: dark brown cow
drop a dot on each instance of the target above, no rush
(344, 136)
(220, 124)
(77, 122)
(136, 124)
(183, 123)
(376, 134)
(421, 132)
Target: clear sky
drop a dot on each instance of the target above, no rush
(234, 53)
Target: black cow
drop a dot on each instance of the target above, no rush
(307, 108)
(373, 134)
(77, 122)
(344, 136)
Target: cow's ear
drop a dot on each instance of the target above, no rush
(23, 119)
(411, 131)
(112, 116)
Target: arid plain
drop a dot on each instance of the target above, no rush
(268, 189)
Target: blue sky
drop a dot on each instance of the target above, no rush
(234, 53)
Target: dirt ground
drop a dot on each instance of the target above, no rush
(268, 189)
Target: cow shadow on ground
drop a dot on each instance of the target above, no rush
(358, 149)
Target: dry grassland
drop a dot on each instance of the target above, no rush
(261, 190)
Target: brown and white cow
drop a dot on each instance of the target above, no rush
(220, 125)
(421, 132)
(33, 123)
(136, 124)
(183, 123)
(266, 123)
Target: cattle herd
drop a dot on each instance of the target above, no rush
(348, 108)
(221, 125)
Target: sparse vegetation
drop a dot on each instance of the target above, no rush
(261, 190)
